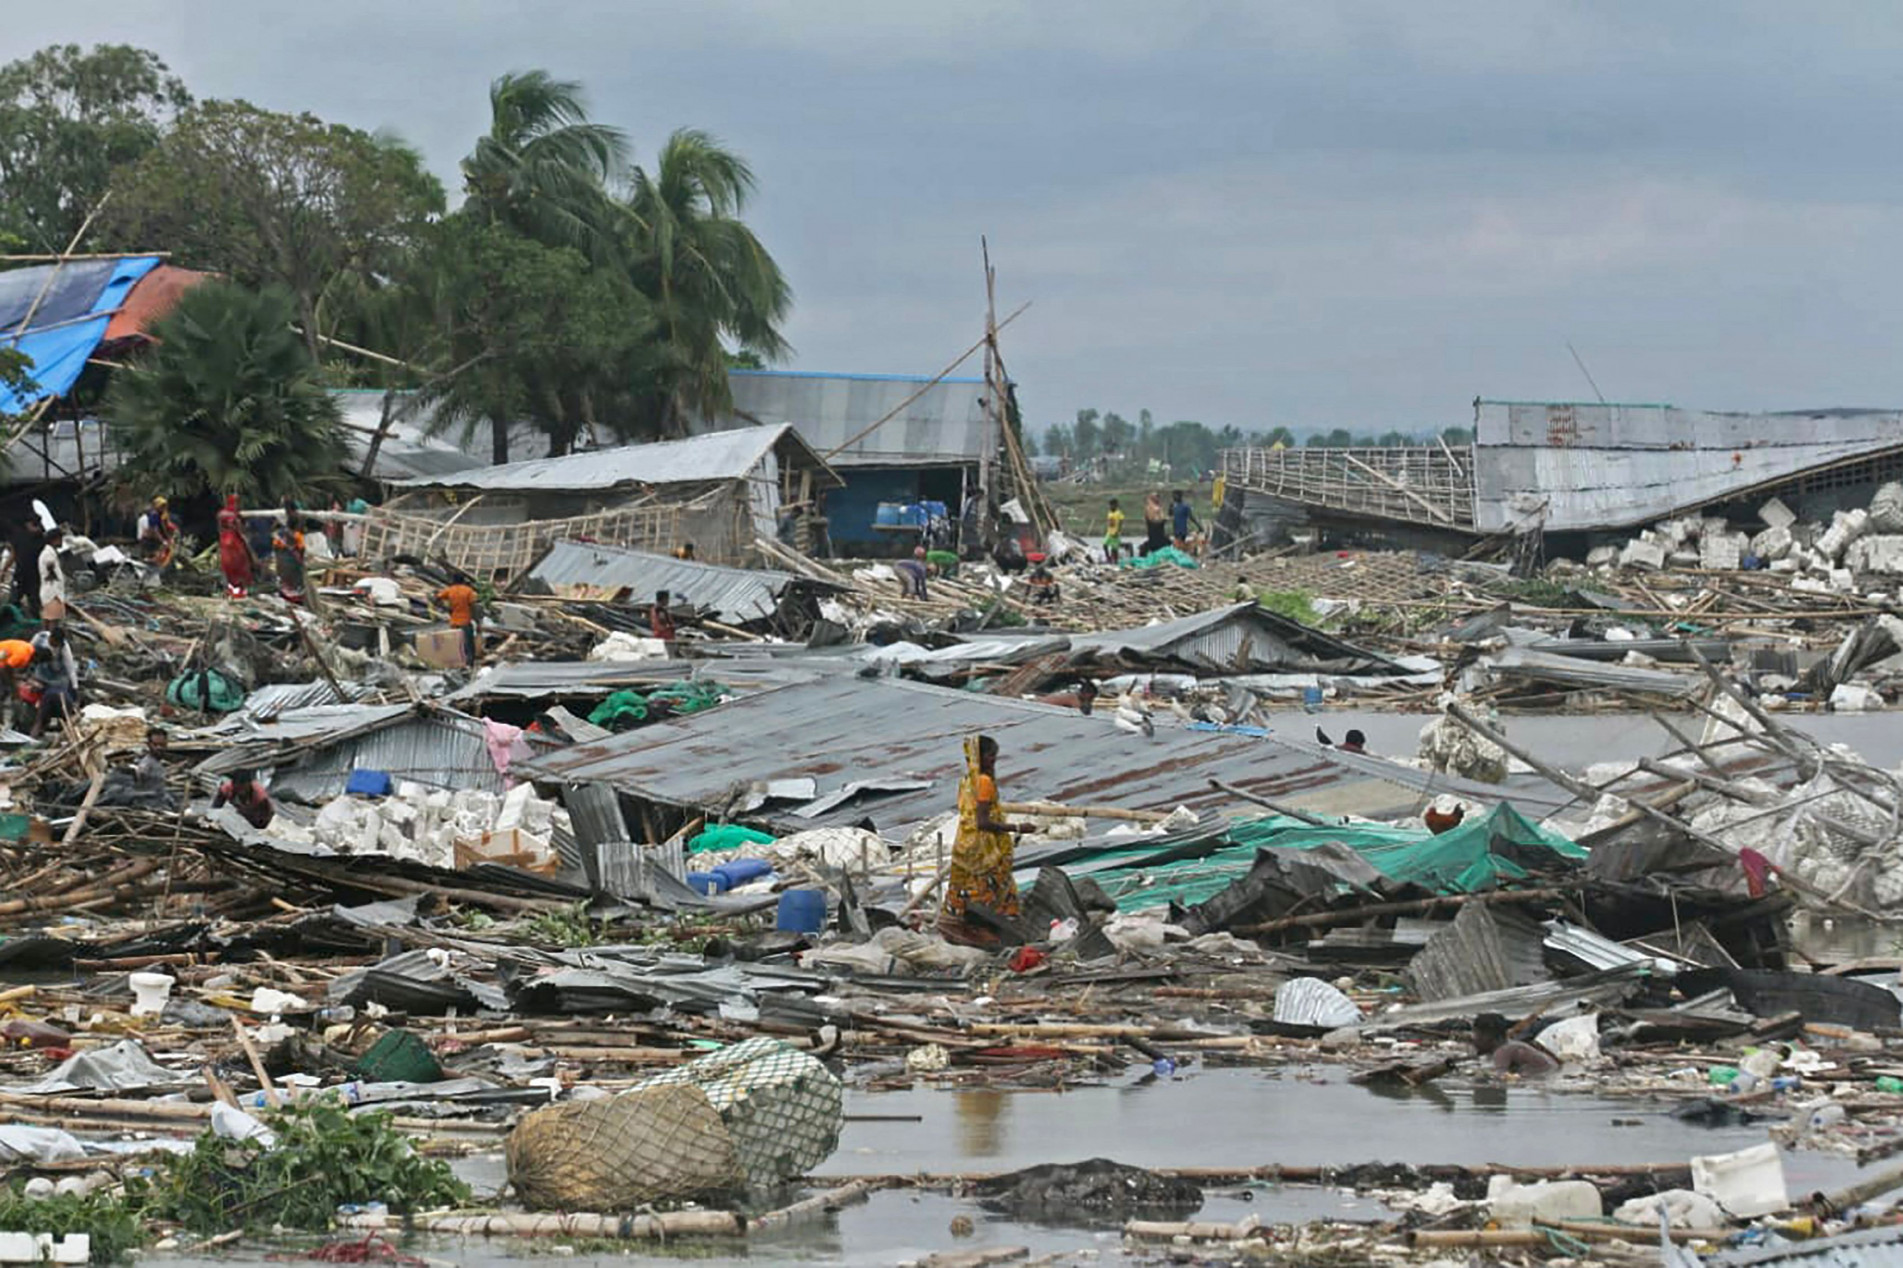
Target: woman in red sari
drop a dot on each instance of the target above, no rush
(234, 552)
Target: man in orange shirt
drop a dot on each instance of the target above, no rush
(461, 600)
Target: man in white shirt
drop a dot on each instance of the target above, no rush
(52, 579)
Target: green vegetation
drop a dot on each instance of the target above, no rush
(227, 402)
(324, 1157)
(573, 291)
(68, 118)
(568, 927)
(1297, 605)
(1535, 591)
(109, 1218)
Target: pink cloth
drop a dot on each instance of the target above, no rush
(506, 747)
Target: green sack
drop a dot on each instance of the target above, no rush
(622, 706)
(726, 836)
(188, 691)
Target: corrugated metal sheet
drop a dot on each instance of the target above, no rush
(438, 749)
(733, 595)
(945, 426)
(281, 697)
(536, 679)
(1607, 466)
(1572, 671)
(421, 453)
(841, 729)
(1216, 640)
(728, 455)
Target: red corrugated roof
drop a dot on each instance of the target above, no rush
(150, 298)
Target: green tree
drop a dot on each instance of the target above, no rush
(1058, 440)
(532, 333)
(1394, 439)
(68, 117)
(276, 200)
(1087, 436)
(1117, 434)
(1146, 435)
(709, 280)
(1339, 438)
(544, 168)
(226, 401)
(1457, 435)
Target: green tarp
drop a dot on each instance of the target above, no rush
(1498, 848)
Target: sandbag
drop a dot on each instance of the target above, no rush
(620, 1152)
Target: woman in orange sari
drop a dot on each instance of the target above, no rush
(980, 870)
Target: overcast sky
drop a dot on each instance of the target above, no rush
(1315, 215)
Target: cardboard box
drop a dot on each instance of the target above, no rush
(441, 648)
(511, 847)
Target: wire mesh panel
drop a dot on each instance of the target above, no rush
(782, 1107)
(619, 1152)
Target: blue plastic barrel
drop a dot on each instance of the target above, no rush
(1311, 698)
(737, 872)
(708, 883)
(801, 911)
(887, 514)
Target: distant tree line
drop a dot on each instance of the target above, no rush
(572, 289)
(1192, 446)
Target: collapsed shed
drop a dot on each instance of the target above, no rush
(1243, 638)
(720, 492)
(782, 602)
(841, 748)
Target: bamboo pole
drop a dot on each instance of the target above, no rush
(658, 1227)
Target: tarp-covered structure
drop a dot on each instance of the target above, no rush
(59, 315)
(1502, 847)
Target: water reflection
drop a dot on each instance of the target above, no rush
(981, 1121)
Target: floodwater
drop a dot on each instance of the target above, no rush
(1293, 1116)
(1575, 741)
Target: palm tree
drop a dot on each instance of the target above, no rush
(227, 402)
(543, 169)
(710, 281)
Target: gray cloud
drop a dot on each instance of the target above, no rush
(1241, 212)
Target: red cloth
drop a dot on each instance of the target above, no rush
(1757, 870)
(1026, 959)
(234, 556)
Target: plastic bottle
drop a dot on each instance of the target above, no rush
(1745, 1082)
(1164, 1067)
(1790, 1083)
(1761, 1062)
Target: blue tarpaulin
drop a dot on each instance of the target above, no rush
(69, 322)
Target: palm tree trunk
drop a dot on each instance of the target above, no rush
(498, 439)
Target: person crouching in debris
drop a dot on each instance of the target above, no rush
(1044, 591)
(55, 679)
(158, 534)
(980, 872)
(912, 573)
(247, 796)
(235, 559)
(1444, 814)
(1492, 1037)
(287, 553)
(461, 600)
(660, 618)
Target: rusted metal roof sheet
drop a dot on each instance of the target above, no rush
(838, 730)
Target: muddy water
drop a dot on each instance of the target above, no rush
(1226, 1117)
